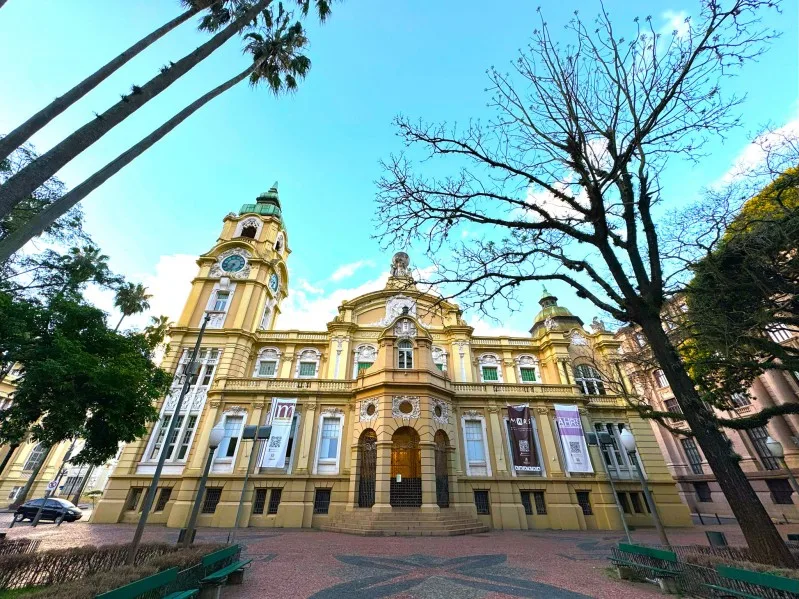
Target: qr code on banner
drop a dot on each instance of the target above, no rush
(274, 442)
(524, 446)
(574, 447)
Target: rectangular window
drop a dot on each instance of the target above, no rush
(528, 505)
(540, 503)
(640, 340)
(490, 373)
(132, 502)
(212, 497)
(231, 439)
(740, 400)
(584, 500)
(363, 366)
(625, 504)
(274, 500)
(758, 437)
(672, 405)
(163, 498)
(482, 502)
(781, 491)
(702, 491)
(267, 368)
(307, 369)
(635, 499)
(528, 375)
(328, 448)
(221, 300)
(692, 453)
(159, 436)
(778, 333)
(660, 378)
(172, 439)
(187, 433)
(266, 317)
(259, 502)
(321, 501)
(475, 449)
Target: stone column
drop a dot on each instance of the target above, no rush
(429, 503)
(495, 431)
(352, 458)
(777, 427)
(383, 477)
(781, 390)
(548, 443)
(306, 439)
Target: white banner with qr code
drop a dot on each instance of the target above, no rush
(281, 417)
(572, 439)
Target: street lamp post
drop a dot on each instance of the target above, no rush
(605, 440)
(628, 441)
(256, 433)
(149, 498)
(777, 450)
(214, 439)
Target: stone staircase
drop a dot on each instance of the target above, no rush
(405, 523)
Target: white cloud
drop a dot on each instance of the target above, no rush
(301, 310)
(776, 145)
(675, 23)
(347, 270)
(486, 329)
(305, 285)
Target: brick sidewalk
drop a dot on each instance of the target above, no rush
(304, 563)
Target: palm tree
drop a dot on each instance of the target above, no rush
(26, 130)
(277, 61)
(20, 186)
(131, 299)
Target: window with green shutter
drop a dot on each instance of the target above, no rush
(440, 367)
(363, 366)
(267, 368)
(490, 373)
(528, 375)
(307, 368)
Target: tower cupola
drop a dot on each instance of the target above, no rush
(266, 204)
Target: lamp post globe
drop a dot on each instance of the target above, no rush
(216, 436)
(775, 447)
(627, 440)
(214, 439)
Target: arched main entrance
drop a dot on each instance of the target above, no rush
(367, 468)
(406, 468)
(442, 469)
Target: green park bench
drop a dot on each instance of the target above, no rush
(754, 582)
(232, 572)
(652, 562)
(148, 586)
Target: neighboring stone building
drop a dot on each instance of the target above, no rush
(396, 405)
(697, 485)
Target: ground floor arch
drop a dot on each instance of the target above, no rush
(441, 450)
(367, 468)
(406, 468)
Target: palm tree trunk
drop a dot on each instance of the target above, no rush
(23, 183)
(116, 328)
(21, 134)
(39, 223)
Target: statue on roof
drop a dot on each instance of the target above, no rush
(400, 265)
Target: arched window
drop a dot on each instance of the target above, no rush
(249, 231)
(440, 358)
(268, 363)
(34, 459)
(365, 356)
(589, 380)
(280, 242)
(308, 364)
(405, 354)
(490, 368)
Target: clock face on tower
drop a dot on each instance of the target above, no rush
(233, 263)
(274, 283)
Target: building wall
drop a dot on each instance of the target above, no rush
(448, 368)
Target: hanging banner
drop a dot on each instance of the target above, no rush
(572, 438)
(281, 418)
(525, 458)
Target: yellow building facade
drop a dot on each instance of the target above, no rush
(397, 408)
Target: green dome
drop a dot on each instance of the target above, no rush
(551, 309)
(266, 204)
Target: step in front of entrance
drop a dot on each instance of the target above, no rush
(404, 523)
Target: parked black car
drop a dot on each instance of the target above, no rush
(54, 508)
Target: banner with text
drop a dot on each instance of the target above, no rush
(572, 439)
(525, 457)
(281, 418)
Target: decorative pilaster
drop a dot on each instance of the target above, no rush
(309, 416)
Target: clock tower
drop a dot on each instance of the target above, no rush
(243, 278)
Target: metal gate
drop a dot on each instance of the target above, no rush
(442, 472)
(367, 467)
(406, 469)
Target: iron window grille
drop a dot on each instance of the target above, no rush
(740, 400)
(321, 501)
(481, 501)
(274, 501)
(528, 506)
(212, 497)
(758, 437)
(259, 501)
(692, 453)
(163, 498)
(702, 490)
(584, 500)
(133, 498)
(781, 491)
(540, 503)
(625, 505)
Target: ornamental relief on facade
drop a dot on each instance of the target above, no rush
(369, 409)
(439, 411)
(405, 407)
(216, 269)
(395, 307)
(405, 328)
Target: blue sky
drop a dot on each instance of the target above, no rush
(371, 61)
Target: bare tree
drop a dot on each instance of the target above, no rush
(565, 183)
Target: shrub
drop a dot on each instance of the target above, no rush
(185, 558)
(711, 561)
(101, 582)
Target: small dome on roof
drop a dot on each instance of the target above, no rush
(551, 309)
(266, 204)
